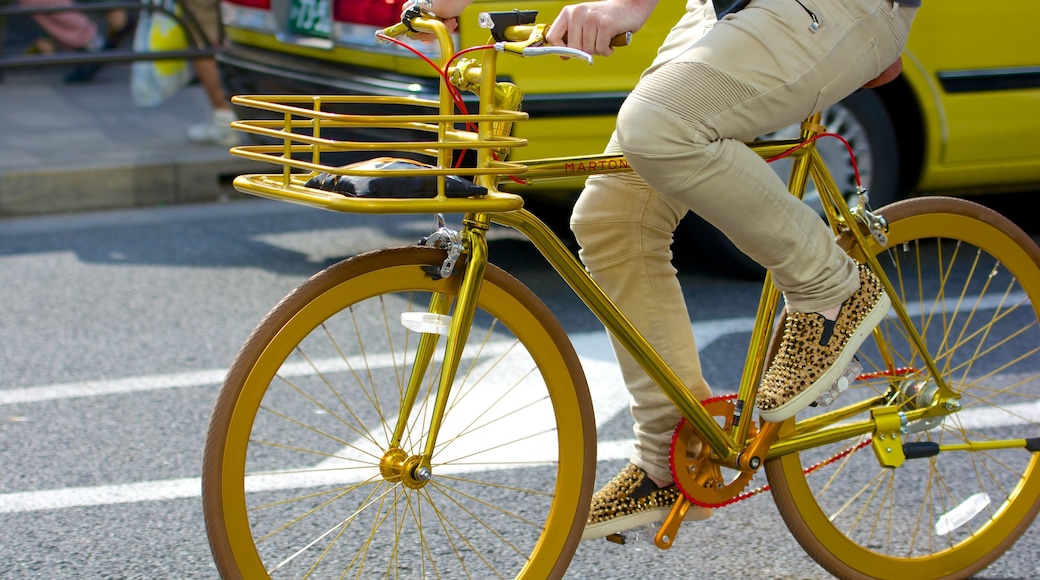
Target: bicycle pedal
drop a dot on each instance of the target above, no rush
(640, 536)
(841, 385)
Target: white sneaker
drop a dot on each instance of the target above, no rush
(217, 132)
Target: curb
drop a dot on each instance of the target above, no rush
(27, 193)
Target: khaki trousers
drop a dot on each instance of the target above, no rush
(713, 86)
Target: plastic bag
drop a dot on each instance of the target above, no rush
(154, 81)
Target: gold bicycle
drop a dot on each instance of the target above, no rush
(417, 411)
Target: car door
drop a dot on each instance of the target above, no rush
(981, 62)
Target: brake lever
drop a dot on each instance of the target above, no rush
(546, 50)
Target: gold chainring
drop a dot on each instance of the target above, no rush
(697, 474)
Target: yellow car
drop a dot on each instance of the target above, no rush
(962, 116)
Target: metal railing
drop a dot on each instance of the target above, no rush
(113, 55)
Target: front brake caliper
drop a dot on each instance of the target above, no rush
(448, 240)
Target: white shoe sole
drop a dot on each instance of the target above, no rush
(624, 523)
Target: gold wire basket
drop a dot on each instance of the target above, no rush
(306, 135)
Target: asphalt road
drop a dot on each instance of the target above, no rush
(117, 328)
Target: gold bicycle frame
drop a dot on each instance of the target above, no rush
(733, 447)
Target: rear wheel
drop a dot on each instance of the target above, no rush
(299, 478)
(970, 280)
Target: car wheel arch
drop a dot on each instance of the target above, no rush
(904, 109)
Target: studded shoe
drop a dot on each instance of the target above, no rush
(631, 500)
(815, 351)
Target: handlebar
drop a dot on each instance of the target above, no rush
(515, 32)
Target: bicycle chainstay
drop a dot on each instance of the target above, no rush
(701, 479)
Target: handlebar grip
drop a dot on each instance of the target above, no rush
(396, 30)
(524, 32)
(623, 39)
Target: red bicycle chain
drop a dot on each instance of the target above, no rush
(806, 471)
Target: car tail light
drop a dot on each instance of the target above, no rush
(261, 4)
(371, 12)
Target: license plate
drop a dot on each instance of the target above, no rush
(310, 18)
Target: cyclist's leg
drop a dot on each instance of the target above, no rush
(619, 221)
(625, 233)
(757, 71)
(734, 85)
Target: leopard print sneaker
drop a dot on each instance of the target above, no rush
(815, 351)
(631, 500)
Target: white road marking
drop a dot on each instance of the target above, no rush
(113, 387)
(52, 499)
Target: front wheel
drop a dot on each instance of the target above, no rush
(299, 477)
(970, 281)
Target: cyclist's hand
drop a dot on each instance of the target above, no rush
(590, 26)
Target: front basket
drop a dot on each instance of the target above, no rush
(312, 135)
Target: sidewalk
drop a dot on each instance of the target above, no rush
(69, 148)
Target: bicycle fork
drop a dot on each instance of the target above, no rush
(415, 471)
